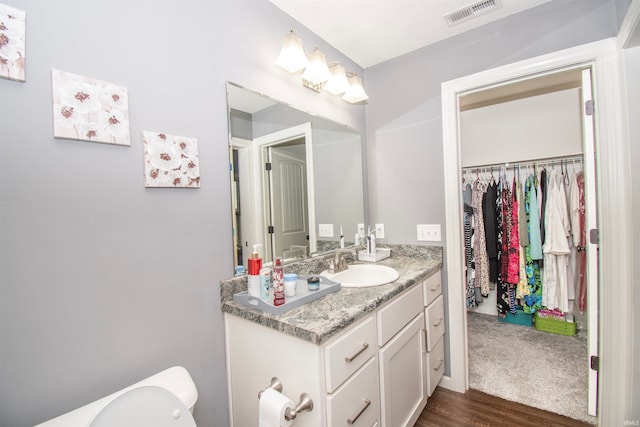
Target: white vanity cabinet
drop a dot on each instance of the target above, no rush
(341, 376)
(374, 373)
(434, 318)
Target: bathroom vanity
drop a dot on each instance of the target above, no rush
(366, 356)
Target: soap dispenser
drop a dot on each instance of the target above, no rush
(255, 265)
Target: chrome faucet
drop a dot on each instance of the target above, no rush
(338, 263)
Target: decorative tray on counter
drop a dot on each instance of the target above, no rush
(380, 254)
(303, 295)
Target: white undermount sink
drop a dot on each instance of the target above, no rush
(363, 275)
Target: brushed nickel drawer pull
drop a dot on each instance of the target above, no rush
(437, 368)
(351, 421)
(350, 359)
(438, 322)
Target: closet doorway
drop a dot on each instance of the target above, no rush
(528, 138)
(600, 57)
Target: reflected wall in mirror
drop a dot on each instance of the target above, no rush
(291, 171)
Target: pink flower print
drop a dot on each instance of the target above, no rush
(176, 181)
(162, 136)
(183, 145)
(192, 165)
(91, 133)
(3, 27)
(115, 97)
(66, 112)
(4, 40)
(154, 173)
(165, 156)
(113, 120)
(81, 96)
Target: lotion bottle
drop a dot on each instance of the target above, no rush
(255, 264)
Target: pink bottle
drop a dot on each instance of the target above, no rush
(278, 282)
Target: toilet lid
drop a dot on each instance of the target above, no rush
(147, 406)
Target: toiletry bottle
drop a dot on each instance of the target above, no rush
(290, 282)
(265, 283)
(255, 264)
(341, 238)
(372, 245)
(277, 280)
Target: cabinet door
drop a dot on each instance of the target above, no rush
(403, 388)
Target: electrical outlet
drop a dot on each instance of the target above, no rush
(325, 230)
(429, 233)
(379, 231)
(361, 230)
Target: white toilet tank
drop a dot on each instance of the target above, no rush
(164, 399)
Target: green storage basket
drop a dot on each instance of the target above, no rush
(555, 326)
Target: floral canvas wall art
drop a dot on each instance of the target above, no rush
(88, 109)
(12, 45)
(170, 161)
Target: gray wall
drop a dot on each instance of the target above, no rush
(404, 118)
(104, 282)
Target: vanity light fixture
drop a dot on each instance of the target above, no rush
(356, 92)
(338, 83)
(316, 74)
(292, 56)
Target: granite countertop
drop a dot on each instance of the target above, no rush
(319, 320)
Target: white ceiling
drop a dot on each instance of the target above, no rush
(373, 31)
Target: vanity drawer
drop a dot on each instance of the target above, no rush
(349, 352)
(393, 317)
(432, 287)
(357, 401)
(434, 315)
(435, 365)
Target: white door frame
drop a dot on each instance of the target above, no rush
(259, 213)
(614, 209)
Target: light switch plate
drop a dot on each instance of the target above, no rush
(429, 233)
(325, 230)
(379, 231)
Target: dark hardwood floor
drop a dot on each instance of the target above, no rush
(474, 408)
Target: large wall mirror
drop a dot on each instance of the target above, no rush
(296, 178)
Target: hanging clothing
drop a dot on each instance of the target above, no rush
(513, 267)
(490, 201)
(507, 206)
(556, 247)
(523, 231)
(480, 244)
(543, 198)
(535, 242)
(470, 295)
(578, 231)
(503, 213)
(533, 300)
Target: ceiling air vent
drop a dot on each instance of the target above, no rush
(471, 11)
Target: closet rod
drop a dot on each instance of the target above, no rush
(540, 162)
